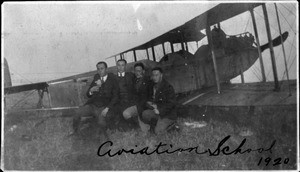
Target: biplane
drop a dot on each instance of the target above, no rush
(203, 77)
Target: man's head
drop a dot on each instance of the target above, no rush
(101, 68)
(157, 74)
(121, 65)
(139, 70)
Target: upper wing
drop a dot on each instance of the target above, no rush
(190, 31)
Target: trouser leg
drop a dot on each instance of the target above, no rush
(82, 111)
(99, 118)
(144, 127)
(130, 114)
(162, 125)
(104, 121)
(147, 120)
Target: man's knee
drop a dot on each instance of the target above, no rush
(130, 112)
(82, 111)
(148, 115)
(127, 114)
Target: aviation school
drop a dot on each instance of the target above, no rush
(150, 86)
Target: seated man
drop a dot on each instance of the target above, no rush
(103, 94)
(142, 86)
(161, 112)
(126, 104)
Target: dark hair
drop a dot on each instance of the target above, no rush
(140, 64)
(102, 62)
(122, 60)
(157, 68)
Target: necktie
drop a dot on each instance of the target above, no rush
(154, 90)
(137, 83)
(102, 80)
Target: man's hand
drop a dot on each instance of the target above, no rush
(156, 111)
(104, 112)
(149, 103)
(98, 82)
(154, 106)
(94, 89)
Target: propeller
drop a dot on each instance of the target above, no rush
(276, 41)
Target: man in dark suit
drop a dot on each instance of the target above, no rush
(161, 111)
(142, 89)
(103, 96)
(143, 86)
(126, 105)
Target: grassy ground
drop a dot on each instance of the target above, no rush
(32, 145)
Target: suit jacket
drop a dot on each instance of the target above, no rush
(165, 100)
(108, 93)
(129, 79)
(143, 92)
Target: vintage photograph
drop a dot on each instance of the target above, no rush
(149, 85)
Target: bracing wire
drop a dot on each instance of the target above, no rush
(192, 49)
(288, 9)
(20, 75)
(292, 45)
(293, 6)
(288, 68)
(287, 21)
(255, 74)
(257, 70)
(275, 62)
(289, 60)
(254, 69)
(290, 51)
(288, 57)
(276, 29)
(284, 73)
(247, 24)
(26, 96)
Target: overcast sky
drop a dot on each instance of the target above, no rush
(45, 41)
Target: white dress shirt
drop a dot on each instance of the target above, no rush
(121, 74)
(104, 78)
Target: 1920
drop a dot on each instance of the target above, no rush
(276, 161)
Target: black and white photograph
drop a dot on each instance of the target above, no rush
(149, 85)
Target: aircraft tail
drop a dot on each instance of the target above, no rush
(7, 78)
(276, 41)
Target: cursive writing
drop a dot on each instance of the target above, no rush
(162, 148)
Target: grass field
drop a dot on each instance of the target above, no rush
(36, 145)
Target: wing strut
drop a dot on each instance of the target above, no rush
(164, 50)
(258, 47)
(277, 88)
(153, 54)
(208, 33)
(172, 47)
(186, 46)
(147, 54)
(281, 39)
(134, 55)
